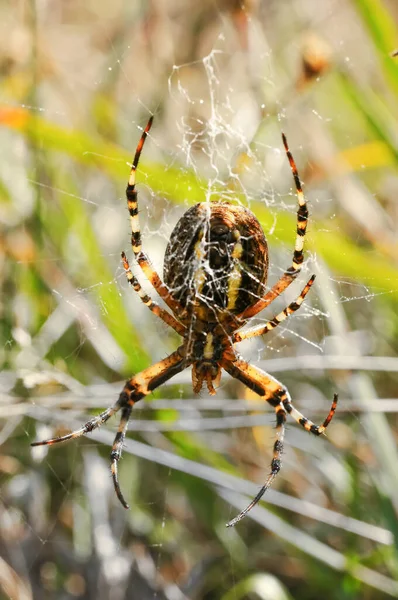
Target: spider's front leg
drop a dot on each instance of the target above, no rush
(134, 390)
(277, 395)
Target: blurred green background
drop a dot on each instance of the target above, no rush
(223, 79)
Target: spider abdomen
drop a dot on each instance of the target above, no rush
(217, 258)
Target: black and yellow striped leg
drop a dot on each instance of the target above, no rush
(131, 194)
(134, 390)
(302, 216)
(117, 451)
(298, 255)
(92, 424)
(151, 304)
(163, 291)
(306, 423)
(136, 241)
(277, 395)
(275, 464)
(277, 320)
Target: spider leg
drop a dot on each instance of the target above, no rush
(163, 291)
(277, 395)
(306, 423)
(151, 304)
(132, 196)
(92, 424)
(134, 390)
(277, 320)
(298, 256)
(136, 242)
(117, 451)
(275, 464)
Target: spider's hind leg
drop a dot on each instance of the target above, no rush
(298, 255)
(151, 304)
(136, 240)
(132, 195)
(302, 217)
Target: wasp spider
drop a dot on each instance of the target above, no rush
(215, 275)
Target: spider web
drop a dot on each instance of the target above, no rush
(218, 124)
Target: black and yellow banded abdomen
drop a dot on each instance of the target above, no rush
(217, 257)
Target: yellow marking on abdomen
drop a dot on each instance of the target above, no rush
(235, 278)
(199, 251)
(199, 280)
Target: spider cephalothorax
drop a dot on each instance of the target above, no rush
(215, 276)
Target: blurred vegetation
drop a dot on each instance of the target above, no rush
(79, 81)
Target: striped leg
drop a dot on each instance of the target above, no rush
(136, 242)
(306, 423)
(153, 306)
(117, 451)
(134, 390)
(302, 217)
(273, 392)
(277, 320)
(275, 464)
(298, 255)
(92, 424)
(132, 196)
(158, 284)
